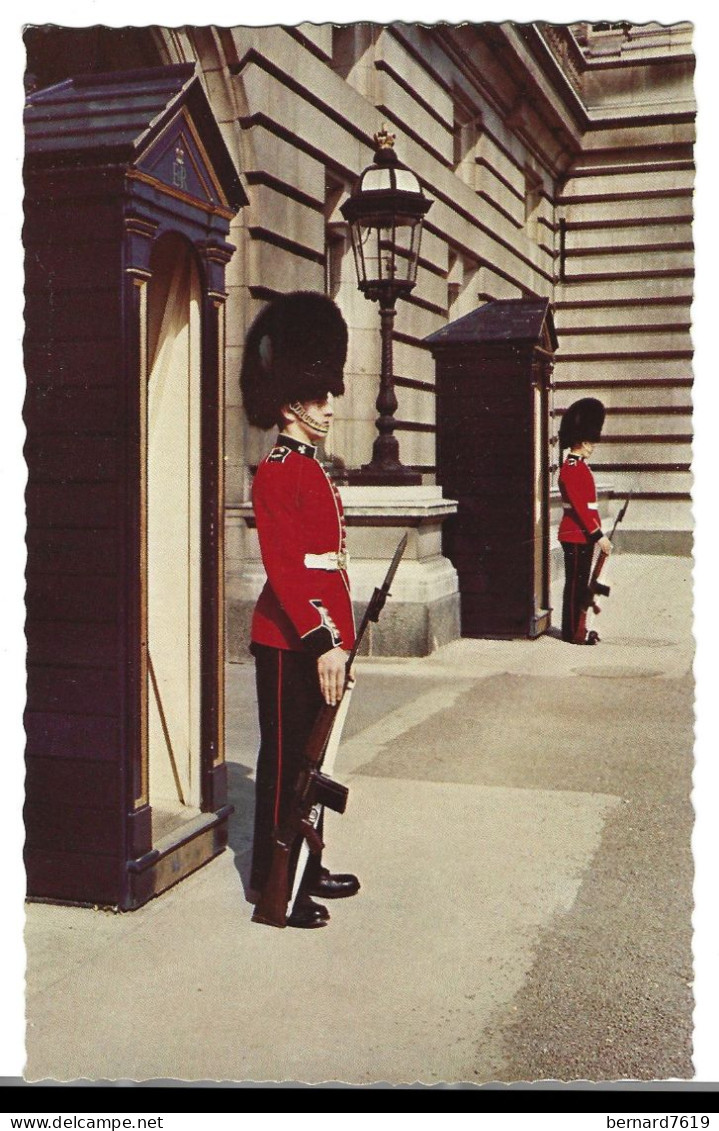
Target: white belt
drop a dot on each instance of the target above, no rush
(329, 560)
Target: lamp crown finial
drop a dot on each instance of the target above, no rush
(383, 139)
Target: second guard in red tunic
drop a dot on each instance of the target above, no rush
(302, 627)
(580, 529)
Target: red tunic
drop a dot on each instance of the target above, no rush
(580, 522)
(298, 511)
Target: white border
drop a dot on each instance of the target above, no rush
(12, 654)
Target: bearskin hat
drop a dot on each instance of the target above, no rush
(295, 351)
(582, 421)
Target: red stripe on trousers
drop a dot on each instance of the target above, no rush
(575, 570)
(279, 738)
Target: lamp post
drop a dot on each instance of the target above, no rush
(386, 211)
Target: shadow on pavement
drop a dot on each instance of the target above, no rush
(241, 794)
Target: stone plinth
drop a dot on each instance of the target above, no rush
(422, 612)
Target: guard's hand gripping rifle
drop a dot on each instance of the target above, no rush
(313, 787)
(596, 588)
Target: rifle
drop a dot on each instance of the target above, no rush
(328, 762)
(596, 589)
(313, 788)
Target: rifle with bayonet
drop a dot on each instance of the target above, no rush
(596, 589)
(314, 788)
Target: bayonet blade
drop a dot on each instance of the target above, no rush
(395, 563)
(620, 516)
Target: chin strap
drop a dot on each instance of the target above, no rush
(302, 414)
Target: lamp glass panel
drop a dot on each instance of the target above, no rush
(406, 249)
(386, 253)
(374, 179)
(415, 236)
(406, 180)
(386, 248)
(358, 251)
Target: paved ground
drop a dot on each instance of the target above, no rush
(520, 818)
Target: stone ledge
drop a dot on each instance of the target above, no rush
(399, 503)
(389, 505)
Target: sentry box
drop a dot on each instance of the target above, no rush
(493, 380)
(130, 191)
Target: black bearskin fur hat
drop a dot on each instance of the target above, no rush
(295, 351)
(582, 421)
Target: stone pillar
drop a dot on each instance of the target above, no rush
(422, 612)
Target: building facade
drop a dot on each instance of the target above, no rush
(560, 163)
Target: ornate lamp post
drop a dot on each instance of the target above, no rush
(386, 211)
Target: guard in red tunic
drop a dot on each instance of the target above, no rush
(303, 627)
(580, 528)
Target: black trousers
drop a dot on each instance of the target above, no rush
(577, 569)
(288, 700)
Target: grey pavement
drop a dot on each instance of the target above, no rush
(520, 817)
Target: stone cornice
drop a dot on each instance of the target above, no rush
(412, 505)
